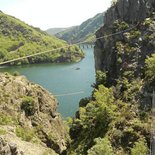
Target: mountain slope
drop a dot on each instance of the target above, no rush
(29, 118)
(119, 114)
(53, 31)
(83, 32)
(19, 39)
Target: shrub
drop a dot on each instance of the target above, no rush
(150, 67)
(102, 147)
(139, 148)
(48, 152)
(28, 105)
(135, 34)
(147, 22)
(5, 119)
(113, 2)
(25, 133)
(100, 77)
(16, 73)
(2, 132)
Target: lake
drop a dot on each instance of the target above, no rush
(69, 82)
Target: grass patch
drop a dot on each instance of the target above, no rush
(2, 132)
(6, 120)
(25, 134)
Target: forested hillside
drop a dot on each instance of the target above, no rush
(18, 39)
(117, 118)
(84, 32)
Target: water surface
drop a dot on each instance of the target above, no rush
(71, 80)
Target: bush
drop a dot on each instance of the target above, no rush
(100, 77)
(16, 73)
(25, 133)
(147, 22)
(2, 132)
(150, 67)
(5, 119)
(102, 147)
(28, 105)
(113, 2)
(139, 148)
(135, 34)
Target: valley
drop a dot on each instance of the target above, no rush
(80, 101)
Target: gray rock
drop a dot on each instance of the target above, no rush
(8, 148)
(129, 11)
(13, 147)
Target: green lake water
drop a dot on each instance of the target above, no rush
(72, 79)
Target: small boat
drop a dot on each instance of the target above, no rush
(77, 68)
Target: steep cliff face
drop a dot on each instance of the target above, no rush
(129, 11)
(31, 112)
(119, 53)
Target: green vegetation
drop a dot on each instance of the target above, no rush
(140, 147)
(102, 147)
(84, 32)
(16, 73)
(100, 78)
(26, 134)
(48, 152)
(19, 39)
(113, 2)
(2, 132)
(113, 119)
(28, 105)
(5, 119)
(120, 26)
(116, 118)
(150, 67)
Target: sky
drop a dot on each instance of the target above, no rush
(53, 13)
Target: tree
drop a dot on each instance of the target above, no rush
(139, 148)
(150, 67)
(100, 78)
(102, 147)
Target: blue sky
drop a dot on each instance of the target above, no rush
(53, 13)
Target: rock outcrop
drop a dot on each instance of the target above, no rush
(129, 10)
(9, 148)
(119, 53)
(31, 110)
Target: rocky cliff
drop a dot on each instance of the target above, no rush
(28, 117)
(129, 10)
(127, 50)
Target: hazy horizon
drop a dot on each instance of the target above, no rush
(47, 14)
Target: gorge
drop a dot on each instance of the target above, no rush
(117, 118)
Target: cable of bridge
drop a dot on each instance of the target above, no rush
(68, 94)
(66, 46)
